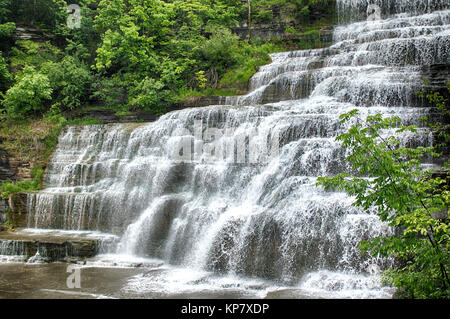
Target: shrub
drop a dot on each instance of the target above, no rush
(149, 94)
(5, 76)
(29, 53)
(248, 58)
(8, 187)
(110, 91)
(70, 80)
(219, 51)
(28, 94)
(6, 30)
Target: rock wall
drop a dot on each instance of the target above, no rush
(3, 209)
(277, 31)
(438, 76)
(18, 205)
(51, 249)
(32, 34)
(11, 169)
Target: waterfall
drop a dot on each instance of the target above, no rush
(12, 251)
(231, 188)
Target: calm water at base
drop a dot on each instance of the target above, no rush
(48, 281)
(102, 278)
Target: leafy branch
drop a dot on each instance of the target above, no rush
(391, 177)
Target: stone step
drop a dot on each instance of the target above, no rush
(52, 245)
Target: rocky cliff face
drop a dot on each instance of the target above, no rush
(3, 209)
(42, 247)
(267, 32)
(28, 33)
(11, 169)
(438, 76)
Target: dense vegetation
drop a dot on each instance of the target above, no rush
(136, 54)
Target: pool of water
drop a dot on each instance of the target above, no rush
(115, 276)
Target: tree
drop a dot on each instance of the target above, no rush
(390, 177)
(45, 14)
(28, 94)
(70, 81)
(5, 11)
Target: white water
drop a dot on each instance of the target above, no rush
(215, 224)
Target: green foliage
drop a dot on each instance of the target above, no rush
(67, 76)
(440, 130)
(290, 29)
(219, 51)
(6, 30)
(45, 14)
(390, 177)
(248, 59)
(134, 54)
(6, 39)
(296, 10)
(201, 80)
(70, 81)
(5, 76)
(5, 11)
(305, 11)
(82, 42)
(153, 51)
(33, 54)
(8, 188)
(149, 94)
(28, 95)
(82, 121)
(110, 91)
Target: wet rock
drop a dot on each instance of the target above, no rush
(18, 207)
(437, 76)
(12, 168)
(32, 34)
(47, 248)
(4, 209)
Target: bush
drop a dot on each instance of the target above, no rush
(6, 30)
(248, 59)
(110, 91)
(28, 95)
(8, 188)
(29, 53)
(219, 51)
(5, 76)
(70, 80)
(149, 94)
(5, 11)
(46, 14)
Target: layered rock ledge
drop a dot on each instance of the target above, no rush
(52, 245)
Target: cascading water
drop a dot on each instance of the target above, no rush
(224, 204)
(11, 250)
